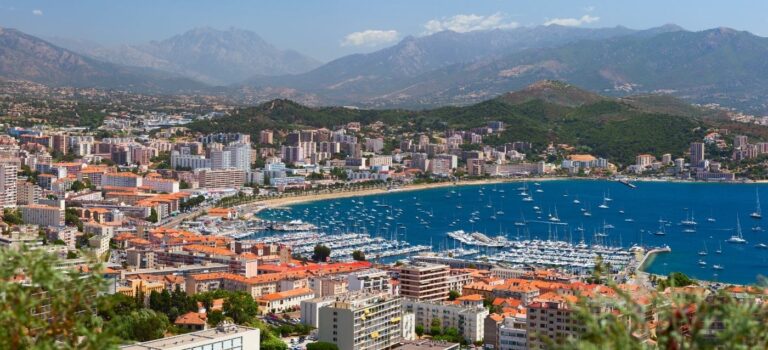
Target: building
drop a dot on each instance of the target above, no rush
(289, 300)
(124, 179)
(310, 310)
(469, 320)
(644, 160)
(223, 337)
(697, 153)
(266, 137)
(42, 215)
(9, 169)
(328, 285)
(158, 184)
(27, 192)
(424, 281)
(512, 333)
(362, 321)
(551, 320)
(220, 178)
(372, 280)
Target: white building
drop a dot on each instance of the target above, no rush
(468, 320)
(159, 184)
(370, 280)
(223, 337)
(362, 321)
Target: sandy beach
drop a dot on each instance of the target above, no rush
(286, 201)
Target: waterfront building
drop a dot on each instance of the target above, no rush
(220, 178)
(697, 153)
(424, 281)
(363, 321)
(225, 336)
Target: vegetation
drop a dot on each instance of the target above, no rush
(12, 216)
(676, 279)
(68, 294)
(322, 346)
(452, 295)
(358, 255)
(321, 253)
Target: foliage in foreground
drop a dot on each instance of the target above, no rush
(685, 320)
(69, 296)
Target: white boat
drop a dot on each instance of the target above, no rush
(718, 267)
(761, 246)
(661, 231)
(576, 201)
(702, 263)
(738, 238)
(704, 252)
(607, 197)
(528, 199)
(689, 221)
(604, 205)
(719, 249)
(757, 214)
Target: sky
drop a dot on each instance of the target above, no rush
(330, 29)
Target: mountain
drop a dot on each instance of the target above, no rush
(25, 57)
(362, 75)
(720, 65)
(542, 113)
(218, 57)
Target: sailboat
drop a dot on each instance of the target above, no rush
(554, 218)
(689, 221)
(704, 252)
(522, 220)
(661, 231)
(757, 214)
(608, 198)
(718, 267)
(738, 237)
(605, 203)
(576, 201)
(719, 249)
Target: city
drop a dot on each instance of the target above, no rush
(140, 214)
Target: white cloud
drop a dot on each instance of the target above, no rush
(589, 9)
(370, 37)
(468, 23)
(572, 22)
(37, 12)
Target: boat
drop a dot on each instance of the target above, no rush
(757, 214)
(605, 203)
(576, 201)
(627, 183)
(702, 262)
(756, 228)
(719, 249)
(761, 246)
(607, 197)
(661, 231)
(528, 199)
(717, 267)
(704, 252)
(738, 238)
(689, 221)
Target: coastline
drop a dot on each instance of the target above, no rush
(287, 201)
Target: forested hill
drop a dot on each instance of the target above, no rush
(544, 112)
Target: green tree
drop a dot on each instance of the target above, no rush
(358, 255)
(12, 216)
(152, 215)
(434, 328)
(240, 307)
(67, 294)
(419, 330)
(139, 325)
(321, 253)
(183, 185)
(78, 186)
(320, 345)
(452, 295)
(215, 317)
(72, 218)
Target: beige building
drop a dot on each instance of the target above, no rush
(42, 215)
(9, 168)
(424, 281)
(289, 300)
(361, 321)
(551, 320)
(468, 319)
(221, 178)
(27, 193)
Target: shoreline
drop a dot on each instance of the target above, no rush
(288, 201)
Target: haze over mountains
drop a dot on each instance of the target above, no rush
(446, 68)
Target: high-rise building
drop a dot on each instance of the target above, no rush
(424, 281)
(697, 153)
(551, 320)
(9, 169)
(469, 320)
(221, 178)
(739, 141)
(266, 137)
(239, 156)
(361, 321)
(43, 215)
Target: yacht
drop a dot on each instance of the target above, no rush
(661, 231)
(607, 197)
(704, 252)
(757, 214)
(717, 267)
(761, 246)
(528, 199)
(702, 262)
(576, 201)
(738, 237)
(719, 249)
(604, 205)
(689, 221)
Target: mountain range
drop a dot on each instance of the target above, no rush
(719, 65)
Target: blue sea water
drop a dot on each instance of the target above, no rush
(425, 216)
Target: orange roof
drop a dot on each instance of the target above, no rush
(191, 318)
(471, 297)
(123, 174)
(581, 157)
(287, 294)
(208, 250)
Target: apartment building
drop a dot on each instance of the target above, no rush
(220, 178)
(552, 320)
(373, 280)
(284, 301)
(9, 168)
(468, 319)
(27, 192)
(362, 321)
(124, 179)
(424, 281)
(158, 184)
(310, 309)
(42, 215)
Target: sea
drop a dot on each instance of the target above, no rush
(629, 216)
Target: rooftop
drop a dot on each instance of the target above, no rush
(190, 339)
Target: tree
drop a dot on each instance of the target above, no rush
(183, 185)
(152, 215)
(68, 294)
(139, 325)
(78, 186)
(321, 253)
(321, 345)
(358, 255)
(452, 295)
(215, 317)
(240, 307)
(12, 216)
(419, 330)
(72, 218)
(434, 328)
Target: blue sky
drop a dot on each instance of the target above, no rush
(333, 28)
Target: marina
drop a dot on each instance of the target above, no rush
(562, 211)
